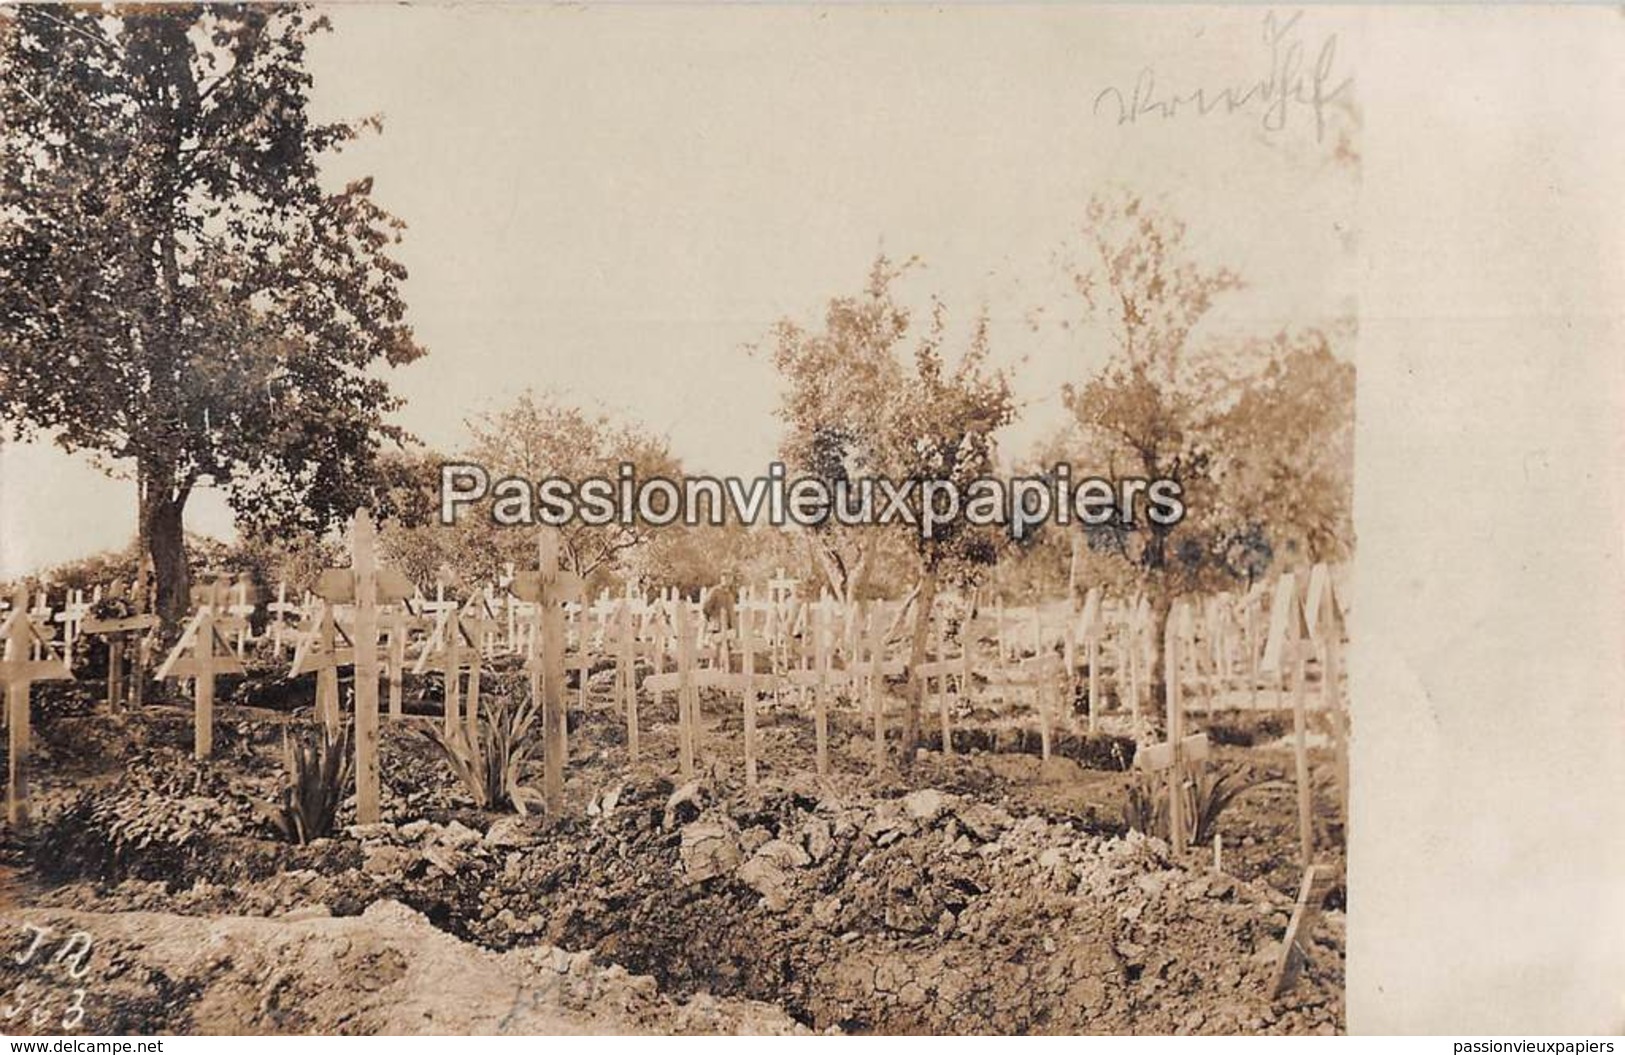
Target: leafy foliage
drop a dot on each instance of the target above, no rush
(875, 394)
(1106, 751)
(152, 823)
(1207, 795)
(178, 290)
(536, 437)
(1257, 432)
(1210, 794)
(489, 766)
(317, 772)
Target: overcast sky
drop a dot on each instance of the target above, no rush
(614, 203)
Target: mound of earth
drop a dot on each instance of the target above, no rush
(387, 971)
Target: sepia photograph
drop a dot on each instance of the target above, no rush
(678, 520)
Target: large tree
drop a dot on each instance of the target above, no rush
(876, 393)
(1257, 431)
(179, 292)
(540, 436)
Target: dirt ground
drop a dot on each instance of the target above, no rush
(987, 893)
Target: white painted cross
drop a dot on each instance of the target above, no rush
(19, 669)
(547, 590)
(202, 654)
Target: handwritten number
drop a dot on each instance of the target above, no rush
(76, 1010)
(39, 938)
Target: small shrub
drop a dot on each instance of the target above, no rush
(1228, 735)
(1210, 794)
(1146, 808)
(1247, 729)
(1207, 796)
(317, 770)
(1106, 751)
(152, 823)
(489, 767)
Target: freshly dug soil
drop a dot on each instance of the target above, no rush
(990, 892)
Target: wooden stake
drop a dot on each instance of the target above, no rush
(820, 630)
(363, 564)
(397, 663)
(626, 676)
(1300, 930)
(1300, 750)
(1176, 732)
(1331, 673)
(747, 645)
(1042, 691)
(548, 589)
(685, 686)
(20, 640)
(453, 665)
(942, 695)
(18, 733)
(877, 685)
(327, 676)
(203, 688)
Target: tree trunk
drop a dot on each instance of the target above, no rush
(163, 524)
(924, 599)
(1162, 602)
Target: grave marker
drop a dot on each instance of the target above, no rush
(202, 654)
(1092, 625)
(1295, 946)
(19, 669)
(1289, 644)
(548, 589)
(116, 629)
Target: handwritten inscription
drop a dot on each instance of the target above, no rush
(1294, 83)
(53, 996)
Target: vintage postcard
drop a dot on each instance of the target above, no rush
(702, 519)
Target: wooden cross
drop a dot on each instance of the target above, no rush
(547, 589)
(457, 650)
(1179, 752)
(748, 644)
(1294, 955)
(825, 617)
(1323, 614)
(202, 654)
(934, 685)
(876, 684)
(324, 646)
(626, 675)
(575, 613)
(40, 615)
(603, 612)
(1090, 625)
(72, 616)
(279, 610)
(117, 629)
(19, 669)
(1288, 645)
(242, 608)
(998, 626)
(440, 605)
(479, 622)
(490, 620)
(396, 623)
(1250, 604)
(366, 586)
(689, 621)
